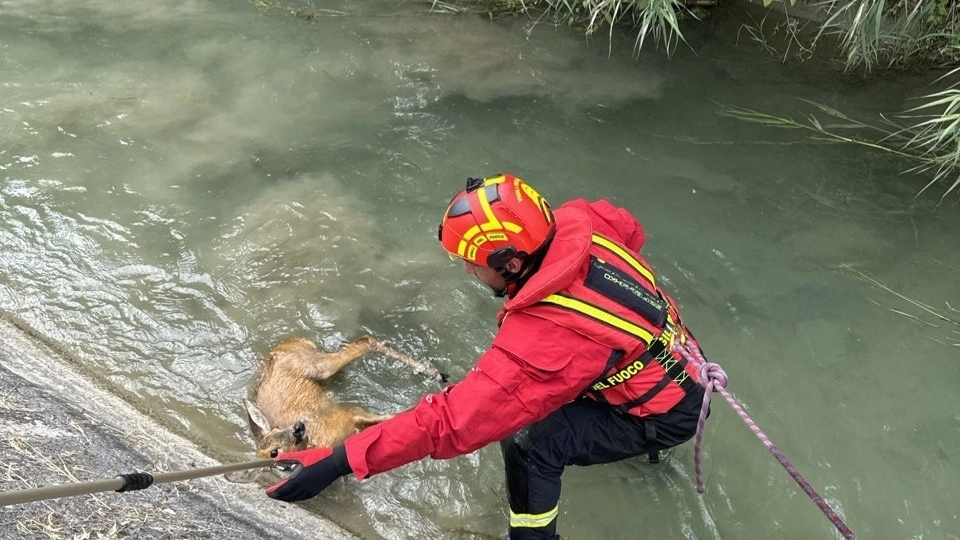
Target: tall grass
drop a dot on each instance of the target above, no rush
(657, 20)
(930, 138)
(889, 34)
(892, 33)
(868, 34)
(937, 135)
(945, 319)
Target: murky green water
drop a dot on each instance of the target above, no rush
(183, 185)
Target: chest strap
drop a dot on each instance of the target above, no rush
(675, 372)
(616, 285)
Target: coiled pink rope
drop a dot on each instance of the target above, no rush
(713, 378)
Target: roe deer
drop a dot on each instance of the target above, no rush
(291, 409)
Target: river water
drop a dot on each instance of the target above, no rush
(185, 184)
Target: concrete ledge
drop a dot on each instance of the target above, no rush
(58, 427)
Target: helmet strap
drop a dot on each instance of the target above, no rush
(528, 266)
(510, 278)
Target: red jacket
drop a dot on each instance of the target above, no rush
(592, 284)
(517, 381)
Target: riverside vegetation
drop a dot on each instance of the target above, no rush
(867, 38)
(871, 38)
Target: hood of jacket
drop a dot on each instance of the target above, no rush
(566, 257)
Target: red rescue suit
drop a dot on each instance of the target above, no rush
(614, 300)
(541, 358)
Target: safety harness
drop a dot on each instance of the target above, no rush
(641, 296)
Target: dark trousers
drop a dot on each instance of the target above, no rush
(582, 432)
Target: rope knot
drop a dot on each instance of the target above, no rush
(712, 376)
(711, 372)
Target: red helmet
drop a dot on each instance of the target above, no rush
(494, 220)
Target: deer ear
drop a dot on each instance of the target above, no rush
(258, 422)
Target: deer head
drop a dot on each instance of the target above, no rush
(273, 441)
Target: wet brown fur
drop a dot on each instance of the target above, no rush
(292, 388)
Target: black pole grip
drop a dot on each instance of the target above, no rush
(135, 481)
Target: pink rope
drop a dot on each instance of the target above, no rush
(714, 378)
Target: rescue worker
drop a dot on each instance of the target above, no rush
(581, 371)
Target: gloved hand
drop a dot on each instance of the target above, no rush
(314, 470)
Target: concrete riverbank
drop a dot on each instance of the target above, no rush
(57, 426)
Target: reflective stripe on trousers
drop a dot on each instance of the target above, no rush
(582, 432)
(533, 521)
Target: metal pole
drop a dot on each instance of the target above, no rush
(123, 483)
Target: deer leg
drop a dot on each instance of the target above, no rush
(417, 367)
(322, 365)
(364, 418)
(310, 362)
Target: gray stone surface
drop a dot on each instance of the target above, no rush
(58, 427)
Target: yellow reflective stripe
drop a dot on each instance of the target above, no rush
(626, 256)
(668, 335)
(467, 236)
(492, 224)
(471, 232)
(481, 233)
(512, 227)
(533, 520)
(596, 313)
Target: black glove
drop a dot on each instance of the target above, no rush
(313, 471)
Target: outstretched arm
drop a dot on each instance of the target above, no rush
(500, 395)
(546, 367)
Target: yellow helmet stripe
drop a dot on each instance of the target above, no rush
(534, 520)
(600, 315)
(492, 224)
(626, 256)
(481, 233)
(467, 236)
